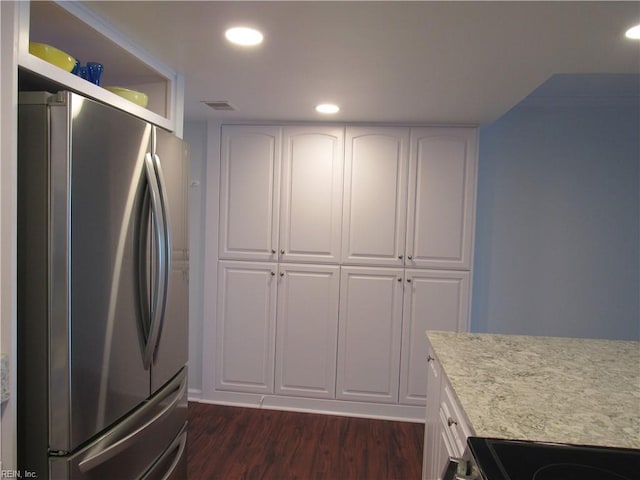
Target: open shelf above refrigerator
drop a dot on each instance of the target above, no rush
(75, 29)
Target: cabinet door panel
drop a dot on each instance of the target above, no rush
(433, 300)
(307, 330)
(246, 326)
(312, 194)
(441, 198)
(249, 184)
(374, 219)
(369, 334)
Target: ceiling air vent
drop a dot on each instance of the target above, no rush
(221, 105)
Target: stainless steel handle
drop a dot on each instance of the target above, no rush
(166, 252)
(158, 193)
(179, 446)
(92, 461)
(176, 461)
(158, 294)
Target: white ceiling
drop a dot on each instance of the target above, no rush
(414, 62)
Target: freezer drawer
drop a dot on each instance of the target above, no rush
(172, 465)
(135, 445)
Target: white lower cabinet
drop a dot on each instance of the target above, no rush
(369, 334)
(446, 428)
(433, 300)
(300, 303)
(307, 330)
(432, 431)
(245, 330)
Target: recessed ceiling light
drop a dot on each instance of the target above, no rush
(244, 36)
(327, 108)
(633, 33)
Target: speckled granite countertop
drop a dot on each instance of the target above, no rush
(550, 389)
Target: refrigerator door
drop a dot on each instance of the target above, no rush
(97, 339)
(171, 350)
(150, 439)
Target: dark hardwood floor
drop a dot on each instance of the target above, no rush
(228, 443)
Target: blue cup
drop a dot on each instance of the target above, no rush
(83, 72)
(94, 72)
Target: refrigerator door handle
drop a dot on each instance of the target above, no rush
(166, 249)
(92, 461)
(159, 288)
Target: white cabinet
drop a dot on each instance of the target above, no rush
(307, 330)
(409, 197)
(300, 303)
(249, 192)
(369, 334)
(433, 300)
(375, 195)
(281, 193)
(443, 171)
(311, 194)
(433, 450)
(452, 420)
(446, 426)
(369, 233)
(245, 333)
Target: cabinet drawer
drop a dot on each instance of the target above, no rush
(453, 422)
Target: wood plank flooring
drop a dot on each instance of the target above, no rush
(229, 443)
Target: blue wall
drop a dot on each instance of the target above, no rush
(558, 223)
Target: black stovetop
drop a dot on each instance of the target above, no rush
(521, 460)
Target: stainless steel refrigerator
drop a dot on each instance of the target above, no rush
(102, 328)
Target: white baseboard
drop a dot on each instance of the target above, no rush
(379, 411)
(194, 395)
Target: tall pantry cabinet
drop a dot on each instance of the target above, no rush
(339, 246)
(281, 205)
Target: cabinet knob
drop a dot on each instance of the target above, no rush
(408, 280)
(273, 251)
(399, 279)
(273, 274)
(451, 421)
(400, 257)
(410, 257)
(430, 358)
(282, 252)
(282, 274)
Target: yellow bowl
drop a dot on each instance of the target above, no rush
(138, 98)
(52, 55)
